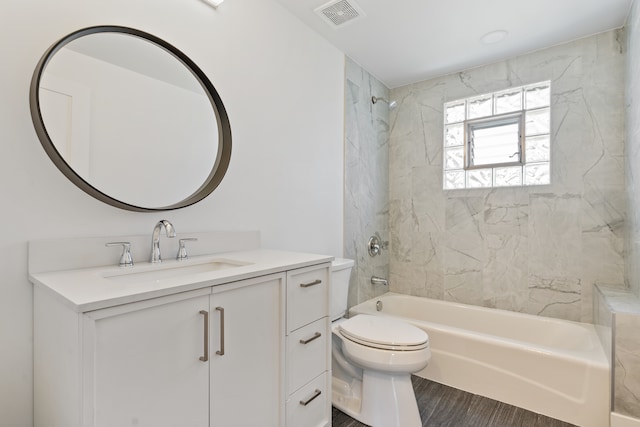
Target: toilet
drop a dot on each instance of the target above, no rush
(373, 358)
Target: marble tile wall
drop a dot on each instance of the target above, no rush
(626, 372)
(603, 318)
(633, 148)
(366, 180)
(626, 335)
(617, 321)
(536, 250)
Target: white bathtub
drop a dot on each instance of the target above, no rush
(549, 366)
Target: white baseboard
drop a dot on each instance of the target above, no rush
(619, 420)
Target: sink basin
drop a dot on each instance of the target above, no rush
(163, 271)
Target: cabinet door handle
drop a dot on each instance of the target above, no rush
(221, 351)
(309, 400)
(314, 337)
(206, 336)
(306, 285)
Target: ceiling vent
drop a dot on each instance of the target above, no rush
(339, 12)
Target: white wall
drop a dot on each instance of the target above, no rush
(283, 89)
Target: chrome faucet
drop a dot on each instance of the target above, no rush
(155, 238)
(379, 281)
(375, 245)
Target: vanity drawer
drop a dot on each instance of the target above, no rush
(311, 405)
(307, 355)
(307, 295)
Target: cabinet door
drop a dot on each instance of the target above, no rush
(247, 378)
(145, 361)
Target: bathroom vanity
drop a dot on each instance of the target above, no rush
(236, 338)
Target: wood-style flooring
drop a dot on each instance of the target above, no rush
(443, 406)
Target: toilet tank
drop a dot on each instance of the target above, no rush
(340, 274)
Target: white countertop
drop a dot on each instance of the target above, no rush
(92, 289)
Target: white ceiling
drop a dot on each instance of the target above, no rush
(405, 41)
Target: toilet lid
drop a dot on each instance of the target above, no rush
(384, 333)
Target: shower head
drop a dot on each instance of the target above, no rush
(392, 104)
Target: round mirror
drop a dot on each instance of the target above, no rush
(130, 119)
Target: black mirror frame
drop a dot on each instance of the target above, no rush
(224, 128)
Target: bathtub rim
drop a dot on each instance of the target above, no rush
(594, 356)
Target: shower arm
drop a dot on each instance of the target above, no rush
(391, 104)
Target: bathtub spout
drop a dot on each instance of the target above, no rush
(379, 281)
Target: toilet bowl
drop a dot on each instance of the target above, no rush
(373, 358)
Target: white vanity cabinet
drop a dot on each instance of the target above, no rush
(222, 354)
(308, 369)
(154, 366)
(141, 364)
(246, 377)
(150, 363)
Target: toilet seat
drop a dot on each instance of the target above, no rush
(383, 333)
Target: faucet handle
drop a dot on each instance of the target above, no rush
(375, 245)
(182, 250)
(125, 259)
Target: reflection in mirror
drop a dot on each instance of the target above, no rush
(130, 119)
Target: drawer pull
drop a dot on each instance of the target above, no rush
(306, 285)
(206, 336)
(314, 337)
(221, 351)
(306, 402)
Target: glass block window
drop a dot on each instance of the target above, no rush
(494, 141)
(501, 139)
